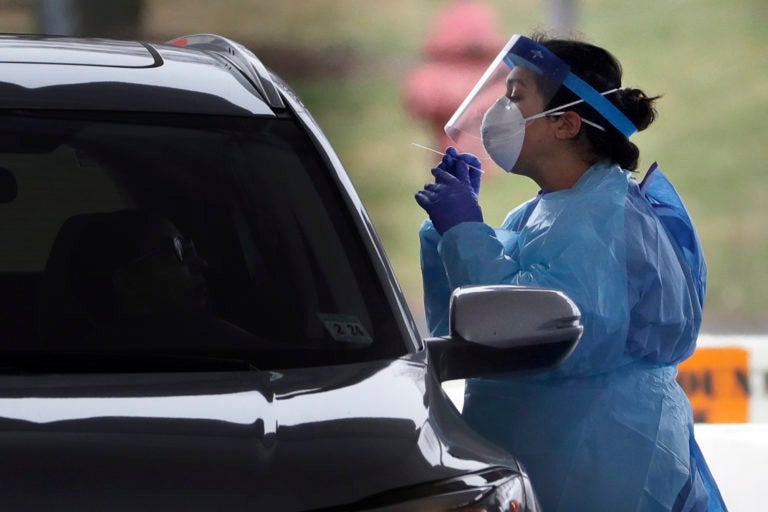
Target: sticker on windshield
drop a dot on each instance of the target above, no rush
(346, 328)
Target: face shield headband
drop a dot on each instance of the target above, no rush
(464, 127)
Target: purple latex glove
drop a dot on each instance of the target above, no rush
(453, 158)
(451, 200)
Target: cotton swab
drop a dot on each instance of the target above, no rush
(443, 154)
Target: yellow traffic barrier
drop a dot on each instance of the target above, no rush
(716, 380)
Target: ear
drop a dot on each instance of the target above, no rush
(568, 126)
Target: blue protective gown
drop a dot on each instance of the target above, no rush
(609, 429)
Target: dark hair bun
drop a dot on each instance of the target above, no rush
(637, 106)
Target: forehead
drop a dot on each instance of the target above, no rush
(523, 77)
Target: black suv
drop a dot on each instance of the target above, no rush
(198, 315)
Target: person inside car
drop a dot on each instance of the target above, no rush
(142, 283)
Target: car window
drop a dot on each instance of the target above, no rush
(103, 216)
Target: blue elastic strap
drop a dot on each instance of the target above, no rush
(607, 109)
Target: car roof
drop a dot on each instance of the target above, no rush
(198, 74)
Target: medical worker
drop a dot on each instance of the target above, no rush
(609, 429)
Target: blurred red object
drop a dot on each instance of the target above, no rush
(460, 46)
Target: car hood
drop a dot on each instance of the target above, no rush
(290, 440)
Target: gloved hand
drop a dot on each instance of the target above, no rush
(450, 200)
(453, 158)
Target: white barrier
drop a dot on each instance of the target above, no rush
(736, 455)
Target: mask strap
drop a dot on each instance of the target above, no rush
(558, 111)
(585, 121)
(561, 107)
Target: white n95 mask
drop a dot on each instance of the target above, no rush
(503, 132)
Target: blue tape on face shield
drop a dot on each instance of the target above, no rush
(490, 125)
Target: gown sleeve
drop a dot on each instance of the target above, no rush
(437, 291)
(435, 280)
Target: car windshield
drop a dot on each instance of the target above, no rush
(136, 237)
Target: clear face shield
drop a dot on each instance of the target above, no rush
(489, 122)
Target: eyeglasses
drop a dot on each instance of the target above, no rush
(183, 249)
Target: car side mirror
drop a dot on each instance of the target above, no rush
(505, 328)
